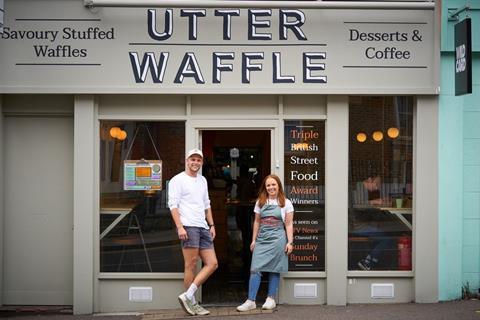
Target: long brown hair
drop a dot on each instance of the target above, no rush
(263, 194)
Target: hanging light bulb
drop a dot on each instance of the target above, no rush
(393, 132)
(114, 131)
(377, 136)
(361, 137)
(122, 135)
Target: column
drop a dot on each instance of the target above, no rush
(426, 200)
(84, 209)
(336, 199)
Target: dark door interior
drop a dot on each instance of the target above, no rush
(236, 161)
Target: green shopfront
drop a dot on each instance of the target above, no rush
(100, 102)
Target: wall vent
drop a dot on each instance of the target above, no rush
(382, 291)
(305, 290)
(140, 294)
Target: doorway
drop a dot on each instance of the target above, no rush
(235, 163)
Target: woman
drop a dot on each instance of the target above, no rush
(272, 241)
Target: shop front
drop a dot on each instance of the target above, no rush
(337, 98)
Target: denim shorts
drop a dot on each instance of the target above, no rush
(198, 238)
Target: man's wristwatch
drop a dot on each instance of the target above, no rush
(210, 226)
(290, 243)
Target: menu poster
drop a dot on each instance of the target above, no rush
(309, 240)
(304, 151)
(142, 175)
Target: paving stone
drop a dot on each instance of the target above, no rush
(214, 312)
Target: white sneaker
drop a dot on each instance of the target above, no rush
(247, 306)
(186, 304)
(269, 304)
(199, 310)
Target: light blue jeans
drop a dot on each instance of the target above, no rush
(254, 284)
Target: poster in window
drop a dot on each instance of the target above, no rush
(142, 175)
(304, 152)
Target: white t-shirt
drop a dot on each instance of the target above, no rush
(190, 196)
(286, 209)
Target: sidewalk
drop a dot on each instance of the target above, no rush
(454, 310)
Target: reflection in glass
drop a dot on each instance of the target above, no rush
(380, 184)
(136, 230)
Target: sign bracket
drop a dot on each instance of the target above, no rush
(453, 13)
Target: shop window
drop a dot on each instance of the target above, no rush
(380, 183)
(305, 186)
(137, 159)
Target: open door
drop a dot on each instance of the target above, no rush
(235, 163)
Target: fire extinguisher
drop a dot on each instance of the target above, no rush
(404, 246)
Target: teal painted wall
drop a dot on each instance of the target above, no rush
(450, 184)
(471, 181)
(459, 165)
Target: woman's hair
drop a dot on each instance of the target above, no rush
(263, 194)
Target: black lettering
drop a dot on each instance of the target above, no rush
(253, 24)
(227, 21)
(192, 15)
(294, 26)
(152, 22)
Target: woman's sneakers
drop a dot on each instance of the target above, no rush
(247, 306)
(250, 305)
(269, 304)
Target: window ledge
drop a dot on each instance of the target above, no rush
(380, 274)
(140, 275)
(305, 274)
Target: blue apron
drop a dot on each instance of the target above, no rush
(269, 252)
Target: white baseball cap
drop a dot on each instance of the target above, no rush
(194, 151)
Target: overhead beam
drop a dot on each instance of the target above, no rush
(312, 4)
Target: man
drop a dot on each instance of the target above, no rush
(190, 208)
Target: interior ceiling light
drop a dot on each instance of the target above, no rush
(114, 131)
(393, 132)
(377, 136)
(361, 137)
(122, 135)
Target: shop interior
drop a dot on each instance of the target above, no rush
(235, 163)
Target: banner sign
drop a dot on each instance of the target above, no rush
(142, 175)
(304, 186)
(463, 57)
(216, 50)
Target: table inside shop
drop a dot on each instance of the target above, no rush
(122, 211)
(401, 214)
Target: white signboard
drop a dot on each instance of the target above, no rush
(61, 46)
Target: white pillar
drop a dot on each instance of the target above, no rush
(83, 204)
(426, 200)
(336, 199)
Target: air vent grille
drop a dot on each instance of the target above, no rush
(382, 291)
(305, 290)
(140, 294)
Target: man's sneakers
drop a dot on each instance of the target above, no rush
(269, 304)
(187, 304)
(247, 306)
(199, 310)
(191, 308)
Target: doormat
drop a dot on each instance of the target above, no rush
(214, 312)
